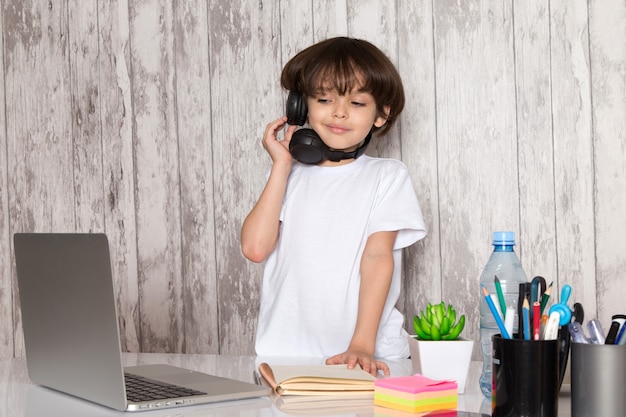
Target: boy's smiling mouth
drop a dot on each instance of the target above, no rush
(337, 129)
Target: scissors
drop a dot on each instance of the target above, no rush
(578, 314)
(537, 288)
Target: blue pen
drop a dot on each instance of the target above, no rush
(496, 315)
(621, 337)
(596, 334)
(576, 331)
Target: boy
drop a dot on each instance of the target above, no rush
(332, 234)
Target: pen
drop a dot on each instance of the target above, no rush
(596, 334)
(526, 320)
(500, 296)
(537, 321)
(612, 334)
(621, 337)
(576, 331)
(545, 297)
(616, 323)
(552, 328)
(521, 296)
(495, 314)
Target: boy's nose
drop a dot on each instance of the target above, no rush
(340, 111)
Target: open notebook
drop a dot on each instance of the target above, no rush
(71, 333)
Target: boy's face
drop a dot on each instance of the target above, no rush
(343, 121)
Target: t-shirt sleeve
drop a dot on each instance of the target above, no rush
(397, 207)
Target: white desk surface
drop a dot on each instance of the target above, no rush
(19, 397)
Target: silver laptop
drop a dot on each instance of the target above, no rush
(71, 333)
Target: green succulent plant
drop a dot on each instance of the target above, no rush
(438, 322)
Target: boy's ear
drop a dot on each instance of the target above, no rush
(381, 120)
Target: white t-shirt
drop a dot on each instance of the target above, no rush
(310, 292)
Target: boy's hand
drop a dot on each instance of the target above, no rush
(352, 357)
(278, 149)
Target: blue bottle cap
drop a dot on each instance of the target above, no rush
(504, 238)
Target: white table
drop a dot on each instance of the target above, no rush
(21, 398)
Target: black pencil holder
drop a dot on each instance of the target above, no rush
(525, 378)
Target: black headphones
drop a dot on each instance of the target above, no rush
(306, 146)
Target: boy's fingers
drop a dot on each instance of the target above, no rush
(383, 367)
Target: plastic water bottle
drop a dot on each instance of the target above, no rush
(504, 264)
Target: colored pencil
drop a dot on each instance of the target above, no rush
(496, 315)
(536, 320)
(526, 313)
(545, 297)
(500, 296)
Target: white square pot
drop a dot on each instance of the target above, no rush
(442, 359)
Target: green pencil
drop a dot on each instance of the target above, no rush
(545, 297)
(500, 296)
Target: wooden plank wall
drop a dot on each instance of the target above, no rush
(142, 119)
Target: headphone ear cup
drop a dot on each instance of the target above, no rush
(296, 108)
(307, 147)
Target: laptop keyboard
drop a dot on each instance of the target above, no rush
(140, 389)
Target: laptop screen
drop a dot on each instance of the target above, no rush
(69, 315)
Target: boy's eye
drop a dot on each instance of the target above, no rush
(358, 104)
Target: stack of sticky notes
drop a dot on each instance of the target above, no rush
(388, 412)
(415, 394)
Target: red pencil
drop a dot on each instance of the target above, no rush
(536, 320)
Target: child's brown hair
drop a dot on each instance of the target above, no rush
(344, 64)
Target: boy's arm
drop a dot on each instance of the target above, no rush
(377, 265)
(259, 232)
